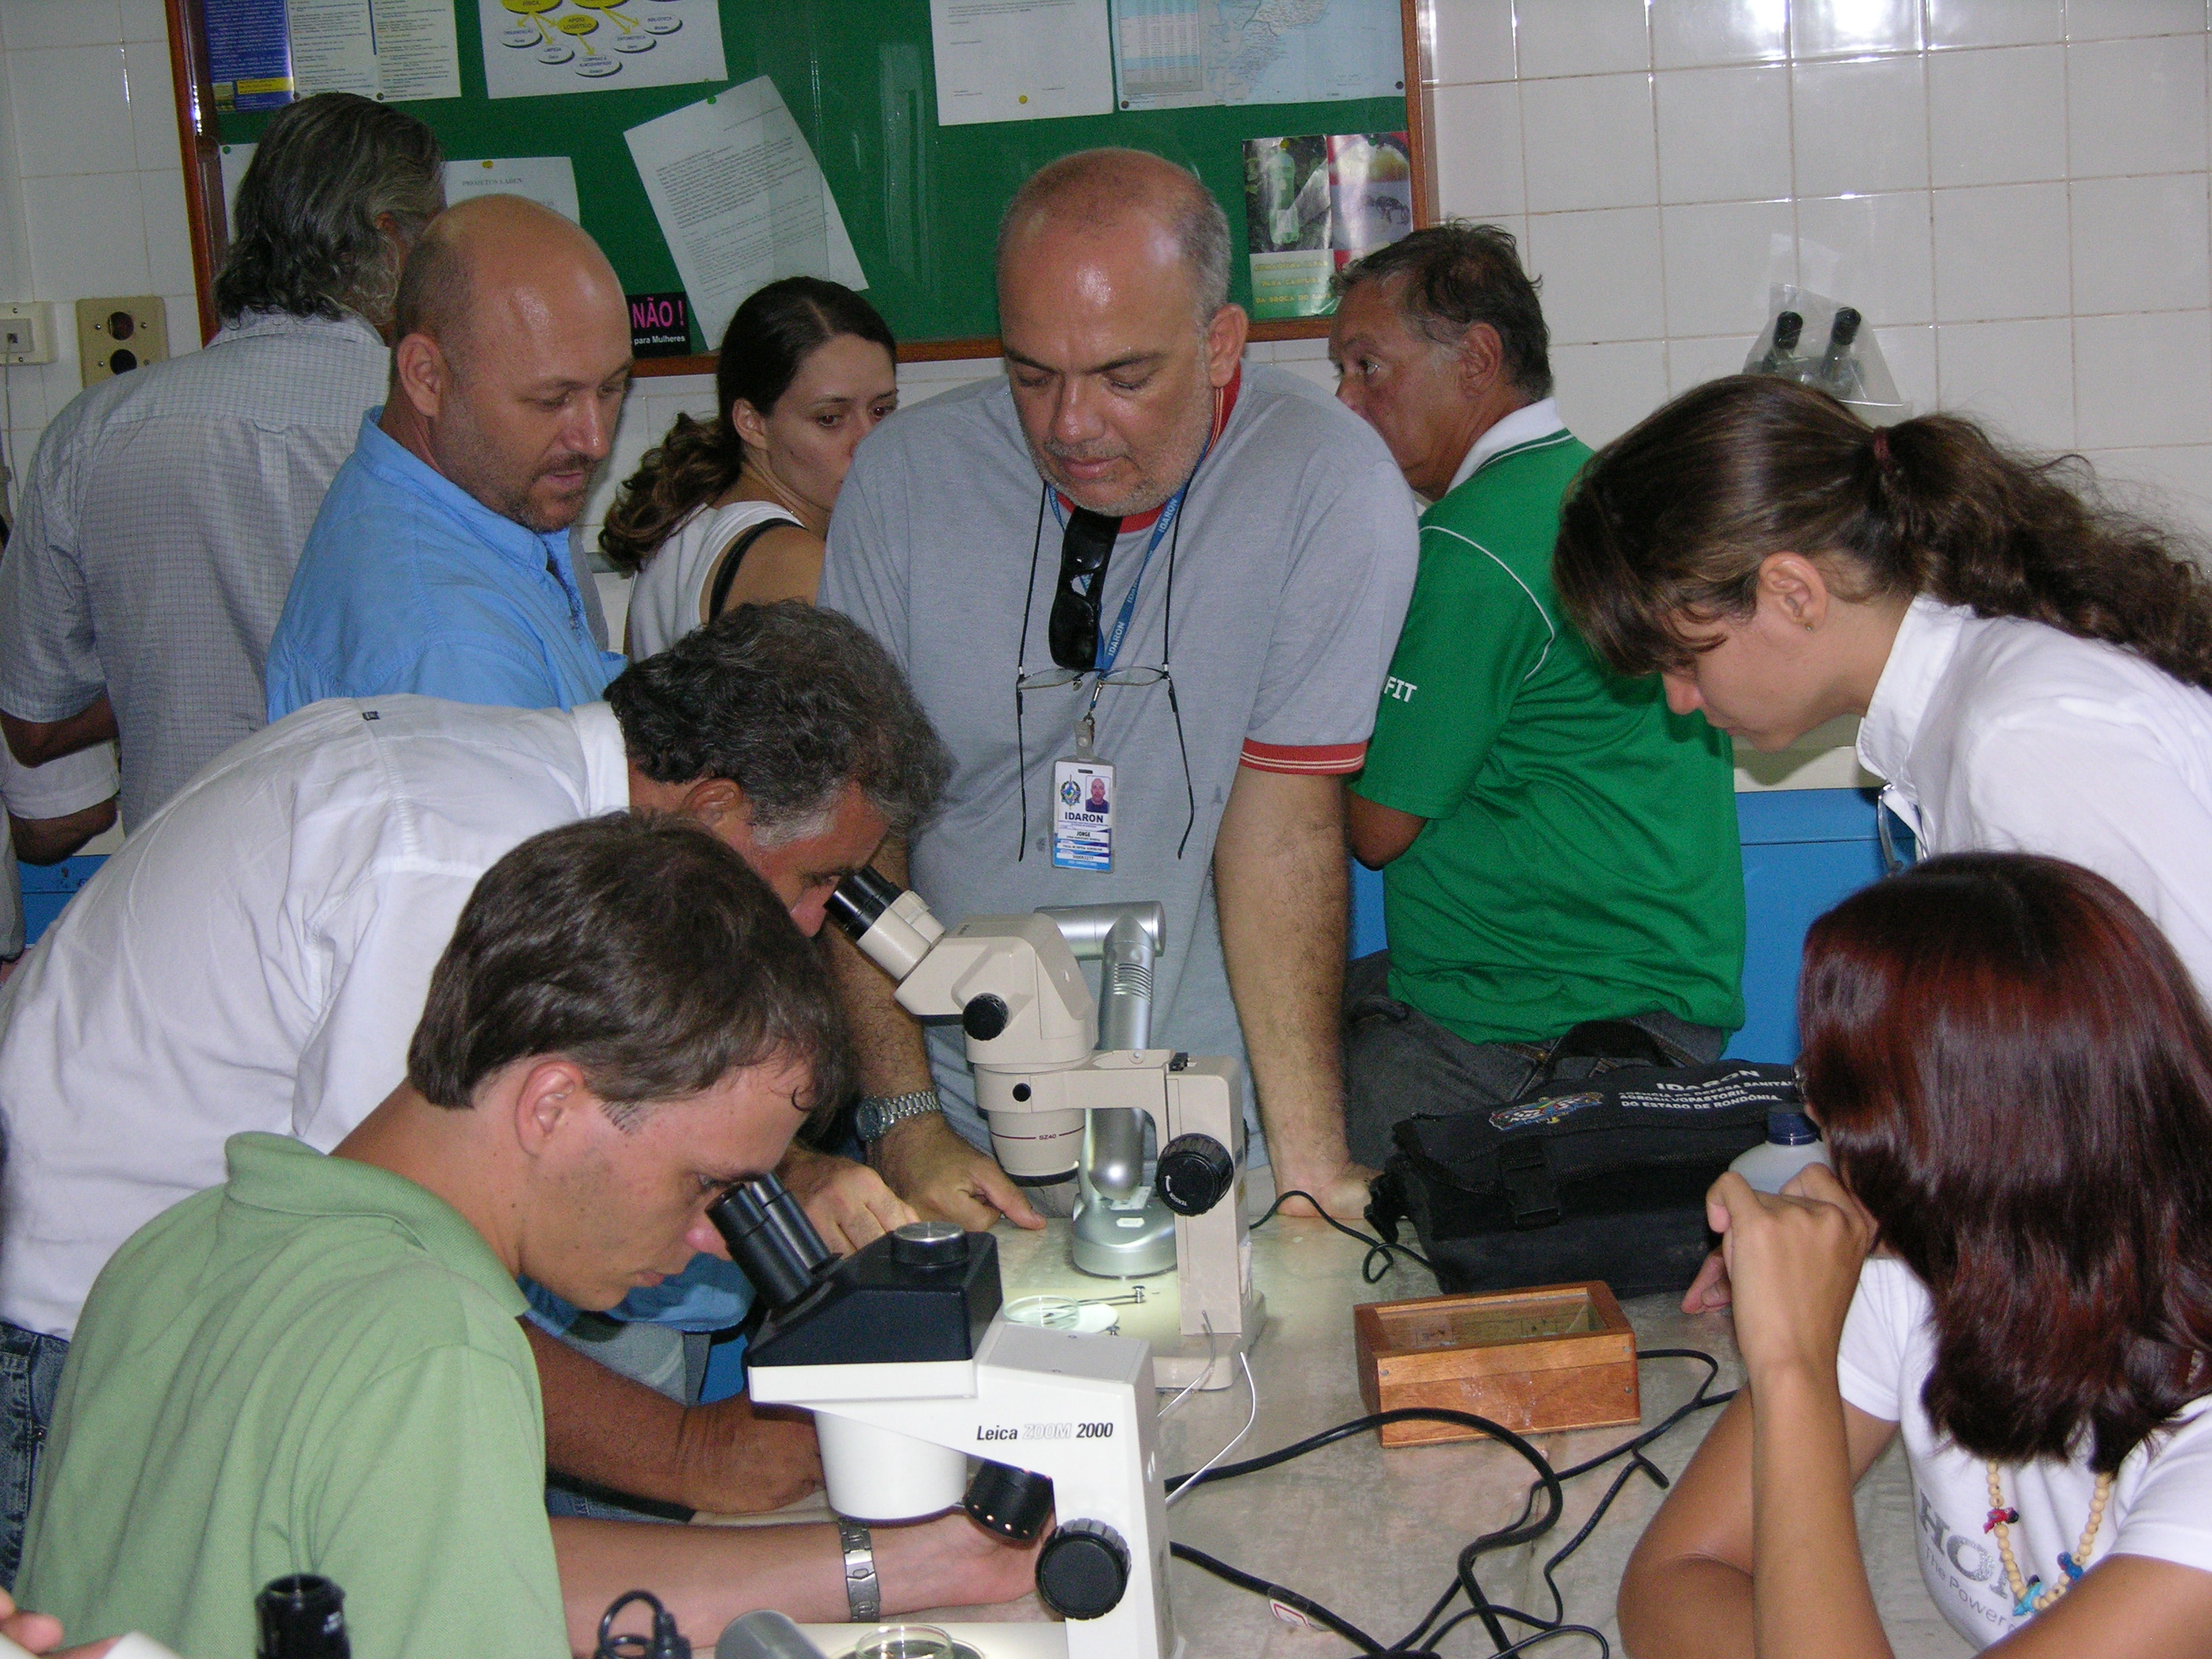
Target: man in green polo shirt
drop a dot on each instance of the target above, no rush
(1556, 846)
(317, 1367)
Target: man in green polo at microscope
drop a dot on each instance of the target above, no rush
(1556, 845)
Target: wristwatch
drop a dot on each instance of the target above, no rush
(864, 1594)
(878, 1112)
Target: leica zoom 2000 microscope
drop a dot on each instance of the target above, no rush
(911, 1370)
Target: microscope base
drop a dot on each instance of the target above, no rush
(1109, 1241)
(1204, 1363)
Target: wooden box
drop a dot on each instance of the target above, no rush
(1557, 1356)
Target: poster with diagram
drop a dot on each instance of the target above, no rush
(537, 48)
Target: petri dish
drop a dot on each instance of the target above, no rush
(905, 1641)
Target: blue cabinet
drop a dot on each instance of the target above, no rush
(48, 887)
(1804, 850)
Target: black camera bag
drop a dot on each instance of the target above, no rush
(1601, 1176)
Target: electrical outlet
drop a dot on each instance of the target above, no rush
(27, 332)
(114, 337)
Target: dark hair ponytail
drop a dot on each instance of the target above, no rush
(1670, 524)
(771, 335)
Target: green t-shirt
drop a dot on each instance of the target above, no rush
(315, 1368)
(1582, 859)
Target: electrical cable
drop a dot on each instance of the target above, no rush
(1504, 1538)
(1197, 1480)
(1290, 1598)
(1524, 1528)
(1212, 1359)
(1369, 1273)
(1632, 1448)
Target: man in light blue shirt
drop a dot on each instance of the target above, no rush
(440, 561)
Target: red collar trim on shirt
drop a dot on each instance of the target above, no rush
(1224, 406)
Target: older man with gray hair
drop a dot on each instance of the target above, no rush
(1136, 560)
(166, 508)
(1556, 846)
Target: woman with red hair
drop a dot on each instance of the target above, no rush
(2014, 1072)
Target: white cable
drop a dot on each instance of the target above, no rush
(1191, 1484)
(1212, 1359)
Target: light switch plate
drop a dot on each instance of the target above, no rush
(114, 337)
(26, 331)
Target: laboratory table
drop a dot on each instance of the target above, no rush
(1372, 1533)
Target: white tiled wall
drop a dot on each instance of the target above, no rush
(92, 193)
(2013, 191)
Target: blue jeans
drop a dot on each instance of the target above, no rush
(30, 1377)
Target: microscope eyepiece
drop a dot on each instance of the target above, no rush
(771, 1241)
(858, 902)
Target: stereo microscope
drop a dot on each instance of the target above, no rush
(1065, 1081)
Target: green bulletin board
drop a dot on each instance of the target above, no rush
(920, 202)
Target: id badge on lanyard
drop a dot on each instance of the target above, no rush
(1082, 801)
(1083, 784)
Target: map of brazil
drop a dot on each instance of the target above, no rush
(1171, 53)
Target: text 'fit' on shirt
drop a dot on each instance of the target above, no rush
(1291, 559)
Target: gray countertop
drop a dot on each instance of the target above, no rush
(1373, 1534)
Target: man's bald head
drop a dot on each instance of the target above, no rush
(1114, 317)
(1100, 192)
(511, 355)
(495, 263)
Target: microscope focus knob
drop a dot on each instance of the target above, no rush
(1196, 1174)
(984, 1017)
(1083, 1570)
(929, 1244)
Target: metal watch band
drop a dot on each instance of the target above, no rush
(864, 1596)
(878, 1112)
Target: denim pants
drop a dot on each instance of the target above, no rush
(30, 1377)
(1398, 1062)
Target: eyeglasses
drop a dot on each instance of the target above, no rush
(1085, 549)
(1052, 679)
(1046, 679)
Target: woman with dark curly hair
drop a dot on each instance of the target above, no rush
(732, 511)
(2033, 669)
(2014, 1074)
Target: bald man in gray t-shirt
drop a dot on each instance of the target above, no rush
(1270, 544)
